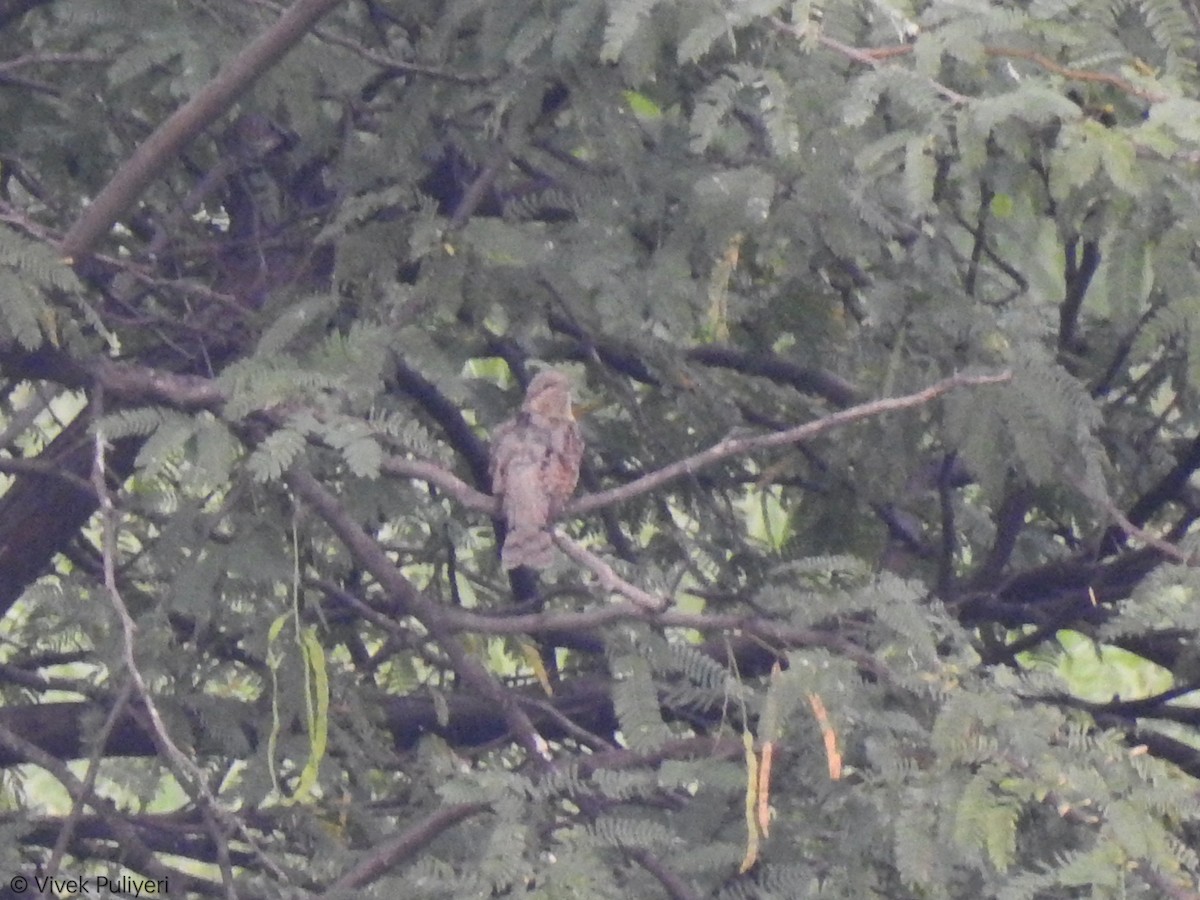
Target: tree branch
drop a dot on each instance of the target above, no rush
(439, 477)
(404, 845)
(609, 579)
(737, 446)
(372, 557)
(148, 161)
(186, 772)
(137, 854)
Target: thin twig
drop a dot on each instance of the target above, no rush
(609, 579)
(671, 881)
(364, 548)
(137, 855)
(221, 845)
(382, 59)
(737, 446)
(1166, 548)
(581, 734)
(872, 58)
(875, 56)
(1087, 75)
(46, 59)
(88, 785)
(403, 846)
(442, 478)
(186, 770)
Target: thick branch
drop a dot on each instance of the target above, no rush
(1078, 277)
(149, 160)
(806, 379)
(404, 846)
(373, 558)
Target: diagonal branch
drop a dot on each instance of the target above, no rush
(186, 771)
(366, 550)
(137, 855)
(88, 785)
(608, 578)
(404, 846)
(737, 446)
(145, 383)
(149, 160)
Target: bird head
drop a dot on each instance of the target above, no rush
(549, 396)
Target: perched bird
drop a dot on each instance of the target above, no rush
(535, 465)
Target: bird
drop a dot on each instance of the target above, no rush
(535, 459)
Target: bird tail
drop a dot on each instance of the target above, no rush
(531, 547)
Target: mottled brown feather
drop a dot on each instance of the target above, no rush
(534, 466)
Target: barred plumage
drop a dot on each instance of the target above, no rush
(535, 465)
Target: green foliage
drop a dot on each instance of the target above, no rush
(30, 274)
(636, 703)
(626, 18)
(721, 219)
